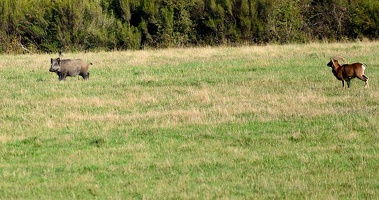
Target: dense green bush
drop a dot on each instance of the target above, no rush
(47, 26)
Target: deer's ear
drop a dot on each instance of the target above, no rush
(51, 61)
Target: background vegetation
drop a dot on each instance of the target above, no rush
(50, 25)
(253, 122)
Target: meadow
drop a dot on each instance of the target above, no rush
(248, 122)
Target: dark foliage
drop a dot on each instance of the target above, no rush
(81, 25)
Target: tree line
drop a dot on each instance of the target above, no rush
(81, 25)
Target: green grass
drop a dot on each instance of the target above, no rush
(252, 122)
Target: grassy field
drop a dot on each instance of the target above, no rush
(251, 122)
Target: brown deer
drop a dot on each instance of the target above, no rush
(346, 72)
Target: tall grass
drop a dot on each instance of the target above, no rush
(255, 122)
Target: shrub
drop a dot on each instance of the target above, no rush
(77, 25)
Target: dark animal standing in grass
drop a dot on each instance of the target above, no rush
(347, 72)
(69, 67)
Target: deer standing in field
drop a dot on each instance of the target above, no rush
(346, 72)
